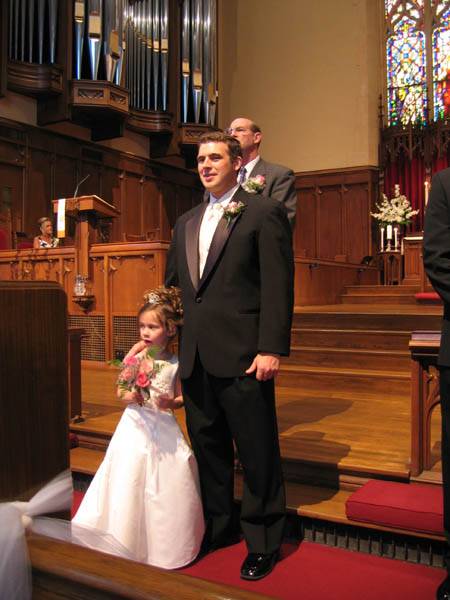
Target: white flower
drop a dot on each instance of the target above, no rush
(396, 210)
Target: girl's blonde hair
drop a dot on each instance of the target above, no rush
(166, 302)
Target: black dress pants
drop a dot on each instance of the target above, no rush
(218, 411)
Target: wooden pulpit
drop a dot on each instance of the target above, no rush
(33, 386)
(86, 210)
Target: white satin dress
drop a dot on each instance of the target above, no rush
(146, 493)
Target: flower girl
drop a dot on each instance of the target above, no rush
(146, 492)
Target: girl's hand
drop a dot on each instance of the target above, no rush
(138, 347)
(130, 397)
(165, 402)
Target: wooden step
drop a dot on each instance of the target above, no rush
(398, 318)
(350, 358)
(352, 339)
(382, 299)
(324, 380)
(85, 460)
(380, 290)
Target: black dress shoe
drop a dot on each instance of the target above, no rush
(443, 591)
(257, 566)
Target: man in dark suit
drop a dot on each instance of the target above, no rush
(279, 180)
(437, 265)
(232, 259)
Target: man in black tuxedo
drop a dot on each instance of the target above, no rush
(436, 255)
(232, 259)
(279, 181)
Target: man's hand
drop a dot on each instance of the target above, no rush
(265, 365)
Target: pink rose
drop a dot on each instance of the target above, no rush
(130, 360)
(127, 374)
(260, 179)
(146, 366)
(142, 380)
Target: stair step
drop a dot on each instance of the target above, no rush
(323, 356)
(347, 318)
(382, 299)
(380, 290)
(343, 381)
(85, 460)
(352, 339)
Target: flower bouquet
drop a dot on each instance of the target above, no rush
(391, 214)
(136, 374)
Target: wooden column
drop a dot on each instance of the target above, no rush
(33, 387)
(424, 347)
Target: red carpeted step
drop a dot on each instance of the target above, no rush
(317, 572)
(428, 297)
(76, 501)
(400, 505)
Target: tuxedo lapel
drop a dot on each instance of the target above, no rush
(220, 238)
(192, 231)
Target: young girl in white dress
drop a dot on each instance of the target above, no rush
(146, 492)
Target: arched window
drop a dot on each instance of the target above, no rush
(417, 60)
(440, 40)
(406, 62)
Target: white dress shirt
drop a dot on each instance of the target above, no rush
(248, 169)
(211, 218)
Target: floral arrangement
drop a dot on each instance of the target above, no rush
(137, 373)
(232, 210)
(254, 185)
(397, 210)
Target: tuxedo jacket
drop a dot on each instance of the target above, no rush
(243, 302)
(436, 251)
(280, 185)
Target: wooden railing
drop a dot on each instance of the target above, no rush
(121, 273)
(62, 570)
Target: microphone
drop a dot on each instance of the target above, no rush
(79, 183)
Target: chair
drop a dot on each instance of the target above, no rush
(4, 245)
(21, 240)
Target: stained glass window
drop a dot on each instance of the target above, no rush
(441, 59)
(415, 30)
(406, 62)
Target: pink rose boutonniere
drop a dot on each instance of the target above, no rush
(254, 185)
(233, 210)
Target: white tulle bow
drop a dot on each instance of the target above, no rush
(16, 517)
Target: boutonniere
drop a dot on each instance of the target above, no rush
(254, 185)
(233, 210)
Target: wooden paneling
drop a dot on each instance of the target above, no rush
(333, 232)
(121, 273)
(40, 165)
(322, 282)
(333, 220)
(33, 388)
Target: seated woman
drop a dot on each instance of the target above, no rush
(46, 239)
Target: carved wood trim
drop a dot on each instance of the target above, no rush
(35, 80)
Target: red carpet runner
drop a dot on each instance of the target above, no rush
(316, 572)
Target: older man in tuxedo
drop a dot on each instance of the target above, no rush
(232, 259)
(279, 181)
(436, 256)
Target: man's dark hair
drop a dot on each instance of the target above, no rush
(233, 145)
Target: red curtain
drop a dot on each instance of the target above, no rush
(411, 176)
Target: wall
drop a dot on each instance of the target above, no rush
(309, 73)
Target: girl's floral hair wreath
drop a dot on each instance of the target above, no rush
(168, 299)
